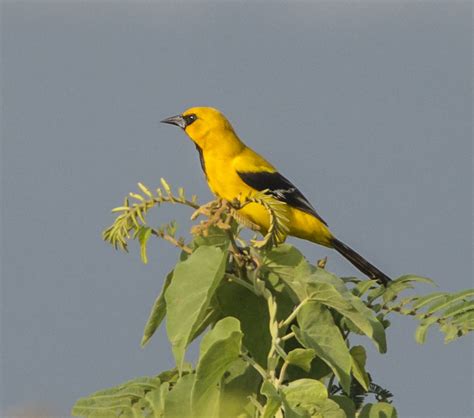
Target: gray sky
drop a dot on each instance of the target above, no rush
(367, 106)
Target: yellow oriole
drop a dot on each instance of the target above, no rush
(234, 171)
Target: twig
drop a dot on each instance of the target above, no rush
(172, 240)
(255, 365)
(282, 374)
(243, 283)
(292, 316)
(287, 336)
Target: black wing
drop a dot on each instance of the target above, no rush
(281, 189)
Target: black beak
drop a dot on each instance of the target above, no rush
(177, 120)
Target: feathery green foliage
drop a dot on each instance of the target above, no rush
(276, 328)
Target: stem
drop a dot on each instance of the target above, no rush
(176, 200)
(282, 374)
(173, 240)
(287, 336)
(292, 316)
(255, 365)
(243, 283)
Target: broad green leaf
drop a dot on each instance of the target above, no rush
(309, 398)
(330, 409)
(354, 309)
(210, 317)
(178, 401)
(219, 349)
(359, 357)
(273, 399)
(346, 404)
(236, 388)
(157, 314)
(319, 332)
(215, 237)
(318, 371)
(378, 410)
(189, 295)
(235, 300)
(301, 357)
(290, 265)
(305, 280)
(304, 391)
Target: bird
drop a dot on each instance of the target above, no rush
(235, 171)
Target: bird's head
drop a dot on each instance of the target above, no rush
(206, 126)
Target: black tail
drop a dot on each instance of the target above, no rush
(360, 262)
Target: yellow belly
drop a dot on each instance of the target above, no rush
(301, 225)
(229, 186)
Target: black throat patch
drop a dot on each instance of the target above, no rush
(201, 159)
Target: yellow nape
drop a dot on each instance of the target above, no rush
(212, 130)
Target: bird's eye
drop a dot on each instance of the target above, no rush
(189, 119)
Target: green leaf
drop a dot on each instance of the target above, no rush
(362, 287)
(393, 289)
(414, 278)
(354, 309)
(330, 409)
(116, 400)
(378, 410)
(449, 301)
(189, 295)
(397, 286)
(450, 331)
(215, 237)
(291, 266)
(178, 401)
(305, 281)
(157, 313)
(273, 399)
(426, 300)
(236, 389)
(219, 349)
(319, 332)
(402, 283)
(422, 330)
(301, 357)
(144, 233)
(359, 357)
(235, 300)
(458, 308)
(346, 404)
(156, 399)
(304, 392)
(309, 398)
(464, 320)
